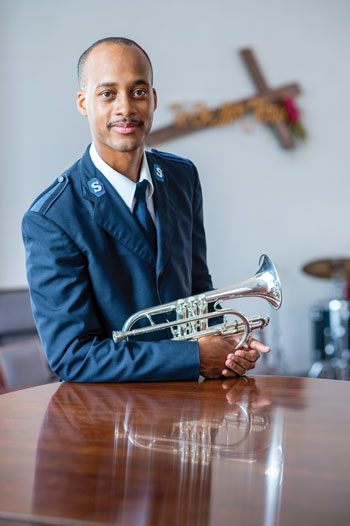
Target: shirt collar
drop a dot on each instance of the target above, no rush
(124, 186)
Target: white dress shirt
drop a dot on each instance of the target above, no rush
(124, 186)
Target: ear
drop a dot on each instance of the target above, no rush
(81, 103)
(155, 98)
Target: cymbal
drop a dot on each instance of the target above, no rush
(329, 268)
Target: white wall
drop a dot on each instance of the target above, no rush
(258, 197)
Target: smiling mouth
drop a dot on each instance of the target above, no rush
(125, 127)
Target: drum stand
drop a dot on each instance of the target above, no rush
(331, 322)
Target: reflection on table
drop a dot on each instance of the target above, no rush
(136, 437)
(189, 453)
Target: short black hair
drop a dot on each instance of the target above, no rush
(108, 40)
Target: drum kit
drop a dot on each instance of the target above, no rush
(331, 321)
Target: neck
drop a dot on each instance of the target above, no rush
(126, 163)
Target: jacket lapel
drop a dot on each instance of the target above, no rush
(165, 210)
(112, 214)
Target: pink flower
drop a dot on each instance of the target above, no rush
(292, 112)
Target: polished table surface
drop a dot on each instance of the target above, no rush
(251, 451)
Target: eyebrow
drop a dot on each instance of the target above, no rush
(114, 84)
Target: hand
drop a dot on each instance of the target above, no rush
(243, 360)
(213, 352)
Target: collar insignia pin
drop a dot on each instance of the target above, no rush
(158, 173)
(96, 187)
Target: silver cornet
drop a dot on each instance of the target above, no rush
(192, 313)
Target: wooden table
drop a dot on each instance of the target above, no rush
(251, 451)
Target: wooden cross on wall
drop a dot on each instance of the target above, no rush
(281, 129)
(290, 90)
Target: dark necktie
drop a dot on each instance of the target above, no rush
(142, 214)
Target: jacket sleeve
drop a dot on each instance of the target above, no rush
(201, 279)
(68, 326)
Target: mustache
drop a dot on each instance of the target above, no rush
(124, 120)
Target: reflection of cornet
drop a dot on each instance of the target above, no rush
(198, 441)
(192, 314)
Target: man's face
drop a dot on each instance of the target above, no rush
(117, 98)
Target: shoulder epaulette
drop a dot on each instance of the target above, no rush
(171, 157)
(47, 199)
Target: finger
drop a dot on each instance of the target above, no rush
(259, 346)
(250, 356)
(245, 364)
(236, 367)
(251, 343)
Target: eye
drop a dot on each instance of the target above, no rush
(106, 94)
(140, 92)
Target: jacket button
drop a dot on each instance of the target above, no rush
(60, 179)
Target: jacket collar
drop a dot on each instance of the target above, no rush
(112, 214)
(165, 209)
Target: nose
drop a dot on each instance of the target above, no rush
(123, 105)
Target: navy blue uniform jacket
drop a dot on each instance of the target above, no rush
(90, 267)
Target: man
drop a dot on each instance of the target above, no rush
(93, 260)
